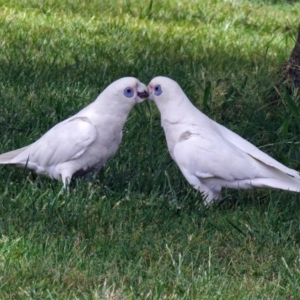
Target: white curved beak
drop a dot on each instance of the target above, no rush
(150, 91)
(142, 92)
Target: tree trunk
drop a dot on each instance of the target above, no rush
(292, 67)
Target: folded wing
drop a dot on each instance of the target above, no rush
(249, 148)
(218, 163)
(64, 142)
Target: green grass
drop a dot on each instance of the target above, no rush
(139, 231)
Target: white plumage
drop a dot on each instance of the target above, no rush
(84, 142)
(209, 155)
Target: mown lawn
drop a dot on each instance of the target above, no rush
(139, 231)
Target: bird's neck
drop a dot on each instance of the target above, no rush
(177, 120)
(100, 112)
(172, 120)
(176, 114)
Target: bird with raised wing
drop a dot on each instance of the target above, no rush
(209, 155)
(84, 142)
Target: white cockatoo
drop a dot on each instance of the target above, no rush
(84, 142)
(209, 155)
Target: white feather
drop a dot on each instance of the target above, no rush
(82, 143)
(209, 155)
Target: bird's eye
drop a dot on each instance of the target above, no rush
(128, 92)
(157, 90)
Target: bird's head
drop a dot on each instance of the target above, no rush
(166, 93)
(125, 92)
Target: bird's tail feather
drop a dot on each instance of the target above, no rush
(271, 177)
(277, 180)
(289, 184)
(281, 180)
(6, 157)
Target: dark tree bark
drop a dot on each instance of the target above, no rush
(292, 66)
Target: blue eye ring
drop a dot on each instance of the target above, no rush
(157, 90)
(128, 92)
